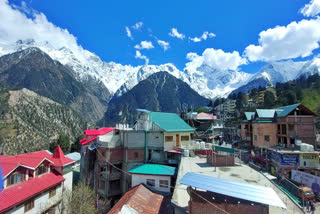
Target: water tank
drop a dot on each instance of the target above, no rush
(197, 145)
(298, 142)
(303, 147)
(186, 153)
(202, 145)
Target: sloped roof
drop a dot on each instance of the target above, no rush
(153, 169)
(266, 113)
(84, 141)
(32, 160)
(249, 115)
(205, 116)
(285, 110)
(97, 132)
(170, 122)
(140, 199)
(16, 194)
(260, 194)
(74, 156)
(59, 158)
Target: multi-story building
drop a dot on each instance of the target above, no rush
(35, 182)
(280, 126)
(226, 110)
(108, 152)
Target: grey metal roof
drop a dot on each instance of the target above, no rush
(259, 194)
(74, 156)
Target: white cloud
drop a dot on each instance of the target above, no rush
(15, 25)
(140, 56)
(163, 44)
(174, 33)
(204, 36)
(137, 25)
(144, 45)
(311, 9)
(217, 59)
(298, 39)
(129, 33)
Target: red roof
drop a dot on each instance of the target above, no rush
(95, 132)
(206, 116)
(87, 141)
(32, 160)
(142, 200)
(59, 159)
(16, 194)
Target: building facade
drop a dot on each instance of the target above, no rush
(35, 182)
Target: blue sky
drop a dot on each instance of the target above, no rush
(100, 26)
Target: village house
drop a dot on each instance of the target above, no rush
(35, 182)
(106, 153)
(155, 176)
(281, 126)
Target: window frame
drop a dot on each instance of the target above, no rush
(164, 185)
(185, 136)
(151, 182)
(29, 205)
(14, 175)
(267, 138)
(40, 168)
(166, 138)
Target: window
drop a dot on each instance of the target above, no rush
(255, 137)
(184, 138)
(15, 178)
(151, 182)
(168, 138)
(267, 138)
(164, 183)
(284, 128)
(136, 155)
(41, 169)
(52, 192)
(28, 205)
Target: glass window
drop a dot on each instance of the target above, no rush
(151, 182)
(169, 138)
(267, 138)
(164, 183)
(15, 178)
(41, 169)
(184, 138)
(52, 192)
(28, 205)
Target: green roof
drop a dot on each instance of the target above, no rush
(249, 115)
(153, 169)
(265, 113)
(170, 122)
(285, 110)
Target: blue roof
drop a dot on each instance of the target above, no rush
(265, 113)
(285, 110)
(153, 169)
(259, 194)
(74, 156)
(170, 122)
(249, 115)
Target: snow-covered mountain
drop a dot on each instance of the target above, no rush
(207, 81)
(118, 78)
(281, 72)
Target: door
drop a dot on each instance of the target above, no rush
(177, 140)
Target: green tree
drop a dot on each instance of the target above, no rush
(292, 99)
(299, 94)
(63, 141)
(201, 109)
(76, 146)
(269, 99)
(81, 201)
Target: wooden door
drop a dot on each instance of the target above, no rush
(177, 140)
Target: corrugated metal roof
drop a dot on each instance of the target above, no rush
(74, 156)
(249, 115)
(285, 110)
(259, 194)
(153, 169)
(170, 122)
(266, 113)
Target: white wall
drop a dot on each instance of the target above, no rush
(172, 145)
(137, 179)
(68, 181)
(41, 203)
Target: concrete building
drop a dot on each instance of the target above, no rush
(155, 176)
(108, 152)
(280, 126)
(226, 110)
(35, 182)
